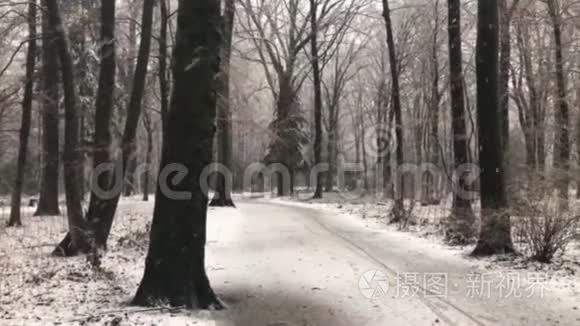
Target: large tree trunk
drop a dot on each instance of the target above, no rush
(102, 220)
(26, 117)
(317, 74)
(284, 107)
(495, 234)
(459, 226)
(398, 209)
(78, 232)
(223, 196)
(48, 197)
(562, 136)
(175, 265)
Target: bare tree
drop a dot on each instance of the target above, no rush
(459, 228)
(317, 83)
(495, 234)
(48, 197)
(175, 265)
(530, 91)
(15, 219)
(506, 14)
(430, 184)
(562, 136)
(102, 220)
(223, 196)
(398, 209)
(78, 232)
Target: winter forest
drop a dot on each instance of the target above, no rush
(289, 162)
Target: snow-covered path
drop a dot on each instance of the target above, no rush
(287, 265)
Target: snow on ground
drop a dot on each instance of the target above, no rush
(561, 278)
(274, 263)
(36, 289)
(428, 225)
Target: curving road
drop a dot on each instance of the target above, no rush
(276, 264)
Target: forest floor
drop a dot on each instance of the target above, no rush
(287, 262)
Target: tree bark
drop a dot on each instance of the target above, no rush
(48, 197)
(578, 136)
(78, 232)
(16, 200)
(495, 234)
(175, 264)
(317, 74)
(459, 226)
(331, 150)
(129, 174)
(433, 198)
(163, 80)
(398, 208)
(505, 56)
(132, 122)
(562, 136)
(103, 116)
(223, 196)
(148, 160)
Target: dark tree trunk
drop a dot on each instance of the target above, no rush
(332, 130)
(131, 123)
(223, 196)
(15, 219)
(316, 73)
(433, 197)
(398, 208)
(175, 265)
(106, 210)
(459, 228)
(364, 151)
(163, 80)
(495, 234)
(505, 57)
(103, 116)
(78, 232)
(284, 107)
(130, 171)
(149, 129)
(48, 197)
(562, 136)
(148, 159)
(331, 152)
(78, 38)
(131, 164)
